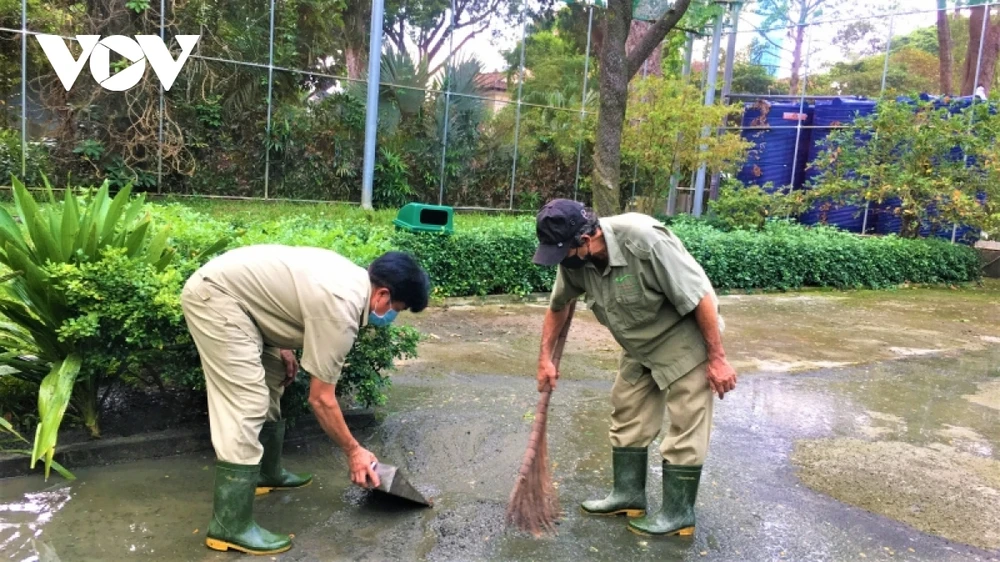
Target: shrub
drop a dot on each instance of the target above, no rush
(364, 378)
(361, 240)
(787, 256)
(18, 399)
(479, 261)
(128, 315)
(783, 255)
(76, 231)
(751, 207)
(36, 160)
(492, 255)
(938, 161)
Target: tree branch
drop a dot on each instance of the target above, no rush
(436, 40)
(397, 37)
(442, 63)
(493, 8)
(692, 31)
(433, 51)
(654, 36)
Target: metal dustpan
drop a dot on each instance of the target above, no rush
(393, 482)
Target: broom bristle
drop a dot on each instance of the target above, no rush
(534, 505)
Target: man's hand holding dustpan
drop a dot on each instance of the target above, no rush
(362, 463)
(393, 482)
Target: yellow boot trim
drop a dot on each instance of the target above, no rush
(261, 490)
(683, 532)
(223, 546)
(630, 513)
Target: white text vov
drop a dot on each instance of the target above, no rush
(98, 51)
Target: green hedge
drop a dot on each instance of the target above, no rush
(480, 261)
(782, 256)
(487, 257)
(787, 256)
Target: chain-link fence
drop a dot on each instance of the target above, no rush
(482, 103)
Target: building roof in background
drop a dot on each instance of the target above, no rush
(492, 81)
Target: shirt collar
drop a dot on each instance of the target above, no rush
(368, 304)
(615, 256)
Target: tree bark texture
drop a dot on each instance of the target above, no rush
(799, 37)
(654, 62)
(617, 67)
(611, 112)
(991, 50)
(357, 20)
(944, 47)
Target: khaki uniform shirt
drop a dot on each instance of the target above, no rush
(645, 296)
(300, 298)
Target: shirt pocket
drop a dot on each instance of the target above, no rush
(599, 311)
(633, 306)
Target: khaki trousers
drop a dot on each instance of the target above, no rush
(637, 414)
(242, 375)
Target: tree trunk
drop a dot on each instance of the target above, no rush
(990, 55)
(356, 23)
(611, 113)
(799, 37)
(616, 68)
(356, 62)
(944, 47)
(654, 62)
(991, 50)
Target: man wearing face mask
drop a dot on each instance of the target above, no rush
(247, 310)
(643, 285)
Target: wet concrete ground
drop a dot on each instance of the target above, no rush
(865, 426)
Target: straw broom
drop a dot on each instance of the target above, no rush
(534, 505)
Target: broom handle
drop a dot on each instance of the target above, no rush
(557, 351)
(543, 400)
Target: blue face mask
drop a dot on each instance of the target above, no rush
(382, 321)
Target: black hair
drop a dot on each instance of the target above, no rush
(588, 228)
(402, 275)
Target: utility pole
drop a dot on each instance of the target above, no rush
(371, 109)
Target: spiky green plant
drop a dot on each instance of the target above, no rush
(32, 310)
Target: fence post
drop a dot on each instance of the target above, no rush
(975, 88)
(727, 85)
(517, 121)
(24, 90)
(881, 93)
(270, 85)
(583, 101)
(675, 177)
(713, 71)
(447, 101)
(371, 109)
(798, 118)
(159, 145)
(635, 169)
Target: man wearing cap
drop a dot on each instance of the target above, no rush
(246, 310)
(643, 285)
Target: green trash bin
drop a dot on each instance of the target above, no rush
(418, 217)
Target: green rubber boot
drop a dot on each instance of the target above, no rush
(272, 475)
(628, 494)
(232, 525)
(676, 515)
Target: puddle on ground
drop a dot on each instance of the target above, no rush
(988, 395)
(773, 366)
(930, 458)
(940, 490)
(899, 431)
